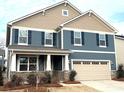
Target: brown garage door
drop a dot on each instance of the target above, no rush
(92, 70)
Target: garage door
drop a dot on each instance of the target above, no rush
(92, 70)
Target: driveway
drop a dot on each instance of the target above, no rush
(105, 85)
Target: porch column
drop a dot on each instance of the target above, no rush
(13, 62)
(48, 63)
(66, 63)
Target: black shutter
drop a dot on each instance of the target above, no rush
(54, 39)
(82, 37)
(72, 37)
(106, 40)
(29, 36)
(16, 31)
(42, 38)
(97, 39)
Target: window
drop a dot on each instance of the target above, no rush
(64, 12)
(49, 39)
(23, 37)
(95, 63)
(23, 63)
(32, 63)
(77, 38)
(102, 40)
(28, 64)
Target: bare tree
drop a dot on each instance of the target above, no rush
(2, 43)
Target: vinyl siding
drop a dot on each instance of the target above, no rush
(90, 42)
(120, 50)
(51, 20)
(90, 23)
(36, 39)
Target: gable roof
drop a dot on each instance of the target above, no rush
(44, 9)
(90, 12)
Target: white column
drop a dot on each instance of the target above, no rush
(66, 63)
(72, 66)
(48, 63)
(13, 62)
(37, 63)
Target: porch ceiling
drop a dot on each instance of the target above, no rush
(35, 49)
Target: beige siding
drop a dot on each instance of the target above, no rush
(92, 72)
(89, 23)
(120, 51)
(51, 20)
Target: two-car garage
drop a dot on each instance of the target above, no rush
(92, 70)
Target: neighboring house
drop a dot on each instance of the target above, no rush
(2, 54)
(61, 38)
(120, 49)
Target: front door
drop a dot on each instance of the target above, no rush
(56, 62)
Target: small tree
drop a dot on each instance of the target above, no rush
(120, 71)
(1, 76)
(72, 75)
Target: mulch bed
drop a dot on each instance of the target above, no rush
(71, 82)
(29, 88)
(118, 79)
(51, 85)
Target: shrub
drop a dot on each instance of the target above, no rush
(72, 75)
(120, 71)
(1, 76)
(17, 81)
(9, 85)
(43, 80)
(48, 76)
(32, 79)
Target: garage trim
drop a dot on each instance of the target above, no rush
(72, 62)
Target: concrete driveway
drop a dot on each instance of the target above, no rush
(105, 85)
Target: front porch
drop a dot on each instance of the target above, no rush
(24, 62)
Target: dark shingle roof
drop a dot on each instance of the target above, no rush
(119, 36)
(37, 49)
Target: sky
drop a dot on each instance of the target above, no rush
(110, 10)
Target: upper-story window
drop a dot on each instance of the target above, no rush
(102, 40)
(23, 37)
(49, 39)
(65, 12)
(77, 38)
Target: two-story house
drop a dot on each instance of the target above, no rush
(61, 38)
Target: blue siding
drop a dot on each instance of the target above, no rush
(36, 39)
(95, 56)
(90, 42)
(59, 40)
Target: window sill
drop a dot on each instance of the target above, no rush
(22, 44)
(103, 46)
(48, 45)
(77, 44)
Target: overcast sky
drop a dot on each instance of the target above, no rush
(110, 10)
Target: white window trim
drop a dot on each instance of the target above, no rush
(19, 37)
(103, 46)
(37, 64)
(80, 39)
(63, 12)
(45, 41)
